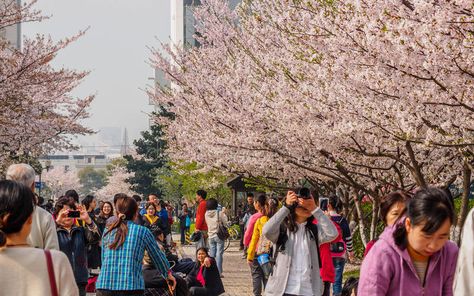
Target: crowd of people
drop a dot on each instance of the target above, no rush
(297, 245)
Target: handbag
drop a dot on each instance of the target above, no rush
(264, 246)
(52, 279)
(222, 231)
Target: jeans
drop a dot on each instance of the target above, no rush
(339, 269)
(258, 279)
(216, 250)
(183, 236)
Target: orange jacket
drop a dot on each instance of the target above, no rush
(200, 220)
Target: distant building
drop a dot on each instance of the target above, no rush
(74, 162)
(182, 33)
(12, 33)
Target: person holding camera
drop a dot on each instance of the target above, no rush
(73, 239)
(297, 238)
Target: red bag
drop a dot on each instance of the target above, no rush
(90, 288)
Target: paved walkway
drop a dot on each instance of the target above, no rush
(237, 280)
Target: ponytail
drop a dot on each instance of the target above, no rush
(126, 210)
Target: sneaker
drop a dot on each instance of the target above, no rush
(222, 275)
(244, 256)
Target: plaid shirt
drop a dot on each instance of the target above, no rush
(122, 268)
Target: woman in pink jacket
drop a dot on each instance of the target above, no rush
(414, 257)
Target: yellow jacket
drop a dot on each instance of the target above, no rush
(257, 232)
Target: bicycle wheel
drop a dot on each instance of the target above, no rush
(234, 235)
(226, 244)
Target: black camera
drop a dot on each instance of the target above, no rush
(303, 193)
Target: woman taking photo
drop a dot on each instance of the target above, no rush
(204, 279)
(417, 255)
(24, 270)
(123, 246)
(269, 208)
(296, 271)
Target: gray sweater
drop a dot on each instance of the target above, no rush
(326, 232)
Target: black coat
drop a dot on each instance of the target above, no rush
(93, 249)
(211, 277)
(154, 280)
(74, 245)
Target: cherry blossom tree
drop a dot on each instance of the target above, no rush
(116, 183)
(363, 96)
(59, 181)
(39, 113)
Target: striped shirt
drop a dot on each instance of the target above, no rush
(122, 268)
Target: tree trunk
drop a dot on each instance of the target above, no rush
(416, 168)
(466, 184)
(375, 217)
(360, 215)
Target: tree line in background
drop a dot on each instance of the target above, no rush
(355, 97)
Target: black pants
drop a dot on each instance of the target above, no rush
(242, 236)
(82, 289)
(327, 289)
(258, 279)
(198, 291)
(183, 236)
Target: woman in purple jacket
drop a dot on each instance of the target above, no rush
(414, 257)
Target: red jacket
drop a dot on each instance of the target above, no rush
(327, 272)
(200, 219)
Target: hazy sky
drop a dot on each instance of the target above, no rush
(113, 49)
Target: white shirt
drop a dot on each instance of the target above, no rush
(43, 233)
(24, 272)
(299, 279)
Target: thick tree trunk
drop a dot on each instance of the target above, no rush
(466, 184)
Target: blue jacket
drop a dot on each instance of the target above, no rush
(74, 245)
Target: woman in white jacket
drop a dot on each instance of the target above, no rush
(25, 270)
(463, 282)
(216, 245)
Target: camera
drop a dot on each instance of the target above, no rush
(73, 214)
(303, 193)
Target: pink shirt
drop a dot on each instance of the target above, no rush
(200, 277)
(249, 231)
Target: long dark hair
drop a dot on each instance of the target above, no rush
(126, 209)
(431, 207)
(271, 207)
(16, 206)
(261, 200)
(87, 201)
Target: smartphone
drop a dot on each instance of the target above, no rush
(323, 203)
(74, 214)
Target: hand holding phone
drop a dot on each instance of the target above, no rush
(323, 203)
(73, 214)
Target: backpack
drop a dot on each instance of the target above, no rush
(338, 246)
(283, 237)
(222, 231)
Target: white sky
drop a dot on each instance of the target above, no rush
(113, 49)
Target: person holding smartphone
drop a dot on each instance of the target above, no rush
(73, 239)
(297, 238)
